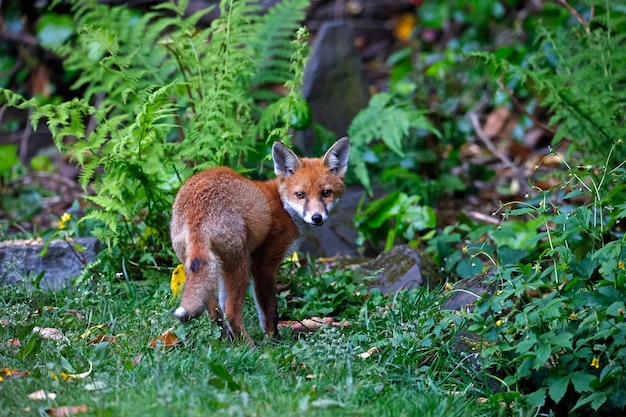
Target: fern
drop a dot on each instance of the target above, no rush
(579, 75)
(385, 120)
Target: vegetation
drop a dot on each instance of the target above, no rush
(94, 355)
(161, 99)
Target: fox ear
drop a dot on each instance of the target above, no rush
(336, 158)
(286, 162)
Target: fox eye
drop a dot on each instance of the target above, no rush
(326, 193)
(300, 195)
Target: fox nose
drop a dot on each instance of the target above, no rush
(317, 218)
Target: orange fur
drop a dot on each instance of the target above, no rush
(225, 227)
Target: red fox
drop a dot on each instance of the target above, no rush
(225, 227)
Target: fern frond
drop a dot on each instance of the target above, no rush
(382, 120)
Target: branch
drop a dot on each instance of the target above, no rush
(486, 140)
(577, 15)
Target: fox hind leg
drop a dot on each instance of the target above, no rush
(232, 294)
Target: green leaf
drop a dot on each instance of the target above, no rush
(582, 381)
(31, 345)
(225, 379)
(537, 398)
(54, 29)
(596, 399)
(8, 157)
(558, 388)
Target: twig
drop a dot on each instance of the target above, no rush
(486, 140)
(522, 108)
(483, 217)
(577, 15)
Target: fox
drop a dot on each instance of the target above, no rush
(226, 228)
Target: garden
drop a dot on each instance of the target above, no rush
(492, 142)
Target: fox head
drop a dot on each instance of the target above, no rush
(310, 187)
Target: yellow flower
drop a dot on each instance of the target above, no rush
(64, 219)
(448, 287)
(621, 265)
(464, 249)
(498, 323)
(595, 363)
(573, 316)
(620, 311)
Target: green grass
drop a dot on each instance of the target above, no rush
(415, 371)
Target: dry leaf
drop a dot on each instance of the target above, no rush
(64, 376)
(91, 329)
(13, 373)
(15, 342)
(42, 395)
(314, 323)
(135, 361)
(166, 340)
(67, 411)
(49, 333)
(102, 338)
(369, 352)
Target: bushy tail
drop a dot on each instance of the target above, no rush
(200, 292)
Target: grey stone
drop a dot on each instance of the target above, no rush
(334, 83)
(467, 291)
(402, 267)
(19, 259)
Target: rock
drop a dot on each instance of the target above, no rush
(467, 291)
(334, 83)
(402, 267)
(18, 259)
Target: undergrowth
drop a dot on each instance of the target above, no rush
(162, 98)
(396, 357)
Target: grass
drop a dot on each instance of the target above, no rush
(413, 370)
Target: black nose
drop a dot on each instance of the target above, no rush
(317, 219)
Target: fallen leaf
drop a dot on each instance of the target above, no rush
(93, 328)
(67, 411)
(314, 323)
(178, 280)
(75, 313)
(166, 340)
(15, 342)
(369, 352)
(42, 395)
(102, 338)
(81, 375)
(13, 373)
(65, 376)
(497, 121)
(49, 333)
(135, 361)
